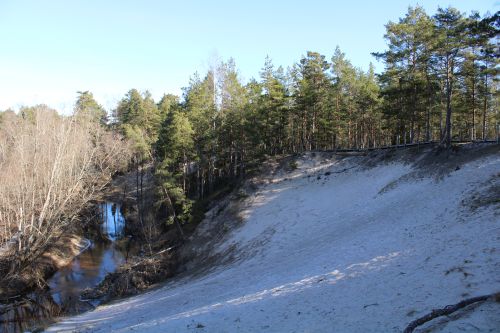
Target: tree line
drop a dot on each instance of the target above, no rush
(439, 83)
(440, 80)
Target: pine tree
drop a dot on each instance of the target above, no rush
(450, 27)
(272, 108)
(313, 99)
(86, 106)
(230, 116)
(367, 104)
(408, 79)
(344, 85)
(168, 103)
(200, 106)
(139, 119)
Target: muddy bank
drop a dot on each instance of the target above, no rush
(26, 297)
(60, 254)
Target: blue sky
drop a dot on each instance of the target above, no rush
(51, 49)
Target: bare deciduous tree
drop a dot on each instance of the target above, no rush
(50, 168)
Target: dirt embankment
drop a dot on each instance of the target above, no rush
(168, 256)
(14, 284)
(197, 257)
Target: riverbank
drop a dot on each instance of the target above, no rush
(27, 301)
(70, 266)
(58, 255)
(160, 257)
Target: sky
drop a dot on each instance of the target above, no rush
(51, 49)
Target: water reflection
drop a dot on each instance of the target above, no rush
(113, 221)
(34, 310)
(86, 271)
(65, 287)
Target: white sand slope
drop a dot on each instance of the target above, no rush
(336, 255)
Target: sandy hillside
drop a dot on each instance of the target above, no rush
(339, 244)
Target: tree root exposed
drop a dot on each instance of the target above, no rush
(449, 309)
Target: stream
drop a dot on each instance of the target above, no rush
(86, 270)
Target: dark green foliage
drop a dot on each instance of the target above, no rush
(272, 109)
(167, 104)
(139, 119)
(439, 83)
(438, 80)
(86, 106)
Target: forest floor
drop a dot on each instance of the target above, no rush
(335, 243)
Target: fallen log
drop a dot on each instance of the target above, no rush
(447, 310)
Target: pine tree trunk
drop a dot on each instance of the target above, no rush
(184, 167)
(428, 116)
(449, 86)
(485, 106)
(174, 215)
(473, 129)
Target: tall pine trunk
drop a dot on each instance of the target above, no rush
(485, 106)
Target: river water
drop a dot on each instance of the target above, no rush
(87, 270)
